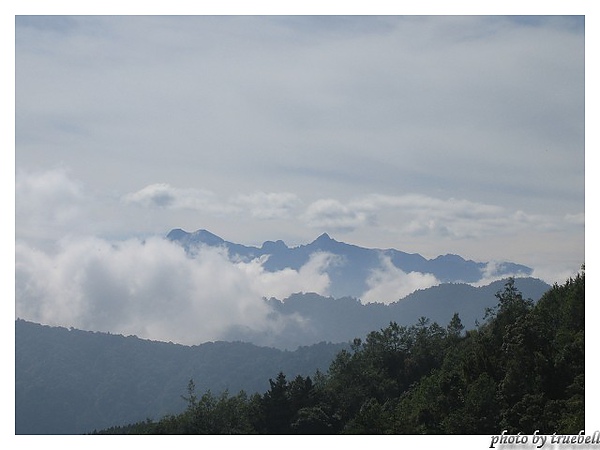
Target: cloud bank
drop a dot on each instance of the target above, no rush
(53, 204)
(152, 289)
(420, 215)
(389, 284)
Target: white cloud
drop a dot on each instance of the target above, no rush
(490, 273)
(311, 277)
(268, 205)
(163, 195)
(52, 204)
(555, 273)
(421, 215)
(389, 284)
(445, 218)
(331, 214)
(152, 289)
(260, 205)
(47, 201)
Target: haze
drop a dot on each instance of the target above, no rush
(434, 134)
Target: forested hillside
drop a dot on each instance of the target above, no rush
(521, 370)
(73, 381)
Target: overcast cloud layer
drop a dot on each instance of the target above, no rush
(426, 134)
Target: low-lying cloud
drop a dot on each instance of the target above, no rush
(389, 284)
(492, 271)
(152, 289)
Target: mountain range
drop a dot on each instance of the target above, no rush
(314, 318)
(354, 265)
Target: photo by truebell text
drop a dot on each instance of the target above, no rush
(540, 440)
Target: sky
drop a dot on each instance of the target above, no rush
(427, 134)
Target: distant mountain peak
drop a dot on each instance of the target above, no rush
(324, 238)
(198, 236)
(206, 235)
(270, 246)
(449, 257)
(177, 234)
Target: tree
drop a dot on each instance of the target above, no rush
(455, 327)
(511, 304)
(191, 399)
(276, 410)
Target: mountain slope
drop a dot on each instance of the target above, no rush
(355, 264)
(72, 381)
(343, 319)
